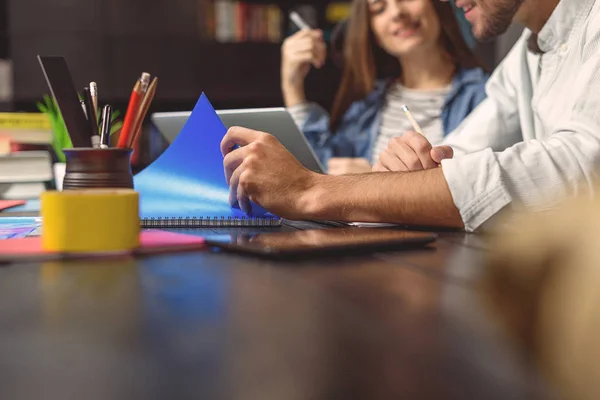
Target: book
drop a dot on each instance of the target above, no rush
(185, 186)
(22, 190)
(26, 127)
(26, 166)
(37, 121)
(25, 174)
(206, 19)
(224, 20)
(274, 20)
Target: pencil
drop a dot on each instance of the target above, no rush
(137, 94)
(143, 110)
(94, 93)
(412, 120)
(93, 124)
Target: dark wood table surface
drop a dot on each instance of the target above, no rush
(210, 325)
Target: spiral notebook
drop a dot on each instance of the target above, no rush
(185, 187)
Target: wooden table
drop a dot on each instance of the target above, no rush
(208, 325)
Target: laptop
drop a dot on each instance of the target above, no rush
(276, 121)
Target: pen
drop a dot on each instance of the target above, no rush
(83, 107)
(93, 125)
(94, 93)
(144, 106)
(412, 120)
(105, 131)
(138, 92)
(297, 19)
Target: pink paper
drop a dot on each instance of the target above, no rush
(151, 241)
(4, 204)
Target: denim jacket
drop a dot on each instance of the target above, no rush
(360, 126)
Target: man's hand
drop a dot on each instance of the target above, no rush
(345, 166)
(411, 152)
(262, 170)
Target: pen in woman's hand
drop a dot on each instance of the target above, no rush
(412, 120)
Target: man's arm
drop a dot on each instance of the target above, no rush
(419, 198)
(263, 171)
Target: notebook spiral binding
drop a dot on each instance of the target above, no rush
(215, 222)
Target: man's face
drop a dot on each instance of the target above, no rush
(489, 18)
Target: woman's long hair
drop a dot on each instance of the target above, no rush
(364, 61)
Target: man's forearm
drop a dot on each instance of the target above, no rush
(420, 198)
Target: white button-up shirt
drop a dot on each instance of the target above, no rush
(536, 138)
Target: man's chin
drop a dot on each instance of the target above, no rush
(484, 38)
(487, 34)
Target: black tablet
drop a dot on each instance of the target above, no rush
(320, 241)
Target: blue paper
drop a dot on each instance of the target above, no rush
(29, 206)
(187, 180)
(19, 227)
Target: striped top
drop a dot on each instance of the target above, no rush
(425, 106)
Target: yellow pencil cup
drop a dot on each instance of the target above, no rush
(90, 220)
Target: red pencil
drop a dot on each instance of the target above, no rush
(139, 90)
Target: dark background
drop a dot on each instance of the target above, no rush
(113, 41)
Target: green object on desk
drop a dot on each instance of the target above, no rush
(60, 136)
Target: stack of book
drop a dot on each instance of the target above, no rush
(22, 130)
(25, 160)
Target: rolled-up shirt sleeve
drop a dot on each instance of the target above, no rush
(538, 173)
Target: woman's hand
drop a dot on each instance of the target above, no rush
(411, 152)
(298, 53)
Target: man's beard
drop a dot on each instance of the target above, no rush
(497, 17)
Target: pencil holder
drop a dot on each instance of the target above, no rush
(88, 168)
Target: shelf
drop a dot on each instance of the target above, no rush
(164, 40)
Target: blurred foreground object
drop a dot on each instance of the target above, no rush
(542, 284)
